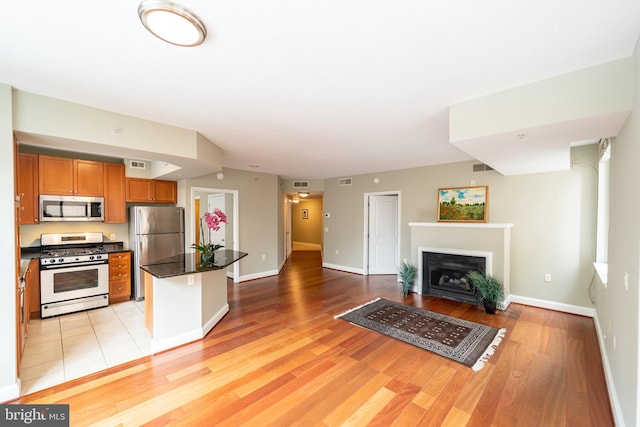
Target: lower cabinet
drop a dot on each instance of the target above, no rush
(119, 277)
(32, 290)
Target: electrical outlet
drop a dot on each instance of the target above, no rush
(547, 277)
(626, 281)
(264, 257)
(112, 237)
(190, 279)
(337, 252)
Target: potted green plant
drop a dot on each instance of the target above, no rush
(407, 276)
(490, 288)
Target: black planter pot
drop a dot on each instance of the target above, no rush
(489, 306)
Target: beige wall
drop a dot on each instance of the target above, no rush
(8, 385)
(307, 230)
(554, 217)
(258, 216)
(618, 304)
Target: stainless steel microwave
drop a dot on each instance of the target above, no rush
(71, 208)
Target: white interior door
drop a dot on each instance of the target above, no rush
(383, 234)
(216, 201)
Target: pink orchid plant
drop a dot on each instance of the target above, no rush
(214, 221)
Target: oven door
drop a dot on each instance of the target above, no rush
(64, 283)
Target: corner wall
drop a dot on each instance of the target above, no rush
(621, 305)
(8, 370)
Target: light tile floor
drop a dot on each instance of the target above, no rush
(62, 348)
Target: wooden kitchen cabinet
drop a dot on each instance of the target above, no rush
(115, 208)
(32, 290)
(70, 177)
(119, 277)
(151, 191)
(28, 188)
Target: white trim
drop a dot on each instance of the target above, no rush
(616, 409)
(461, 225)
(10, 392)
(488, 263)
(189, 336)
(258, 275)
(365, 254)
(602, 268)
(209, 324)
(236, 220)
(174, 341)
(552, 305)
(343, 268)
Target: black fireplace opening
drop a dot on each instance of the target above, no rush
(444, 275)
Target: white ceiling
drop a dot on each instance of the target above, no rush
(310, 89)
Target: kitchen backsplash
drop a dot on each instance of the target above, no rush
(30, 234)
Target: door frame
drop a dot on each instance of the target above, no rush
(365, 255)
(235, 219)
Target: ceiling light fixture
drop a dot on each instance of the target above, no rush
(172, 23)
(303, 194)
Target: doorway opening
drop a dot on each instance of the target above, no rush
(205, 199)
(304, 222)
(382, 232)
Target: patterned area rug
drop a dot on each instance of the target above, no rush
(466, 342)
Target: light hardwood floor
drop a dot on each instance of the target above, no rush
(279, 358)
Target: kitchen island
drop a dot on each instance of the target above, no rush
(185, 299)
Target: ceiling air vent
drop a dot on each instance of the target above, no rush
(300, 184)
(480, 167)
(136, 164)
(343, 182)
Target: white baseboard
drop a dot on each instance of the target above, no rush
(259, 275)
(552, 305)
(588, 312)
(608, 375)
(10, 392)
(209, 324)
(343, 268)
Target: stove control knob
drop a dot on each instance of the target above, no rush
(77, 259)
(60, 259)
(90, 257)
(98, 256)
(51, 261)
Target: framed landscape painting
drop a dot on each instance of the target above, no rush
(463, 204)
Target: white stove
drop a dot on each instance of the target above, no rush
(74, 273)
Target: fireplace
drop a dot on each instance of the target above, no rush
(444, 270)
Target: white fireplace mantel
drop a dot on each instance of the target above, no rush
(461, 224)
(494, 238)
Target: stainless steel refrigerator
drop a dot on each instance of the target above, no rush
(155, 233)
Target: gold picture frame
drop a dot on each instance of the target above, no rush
(463, 204)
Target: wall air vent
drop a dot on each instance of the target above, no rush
(300, 184)
(480, 167)
(137, 164)
(343, 182)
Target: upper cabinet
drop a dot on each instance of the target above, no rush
(142, 190)
(28, 188)
(63, 176)
(115, 209)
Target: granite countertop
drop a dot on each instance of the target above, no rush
(189, 263)
(27, 253)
